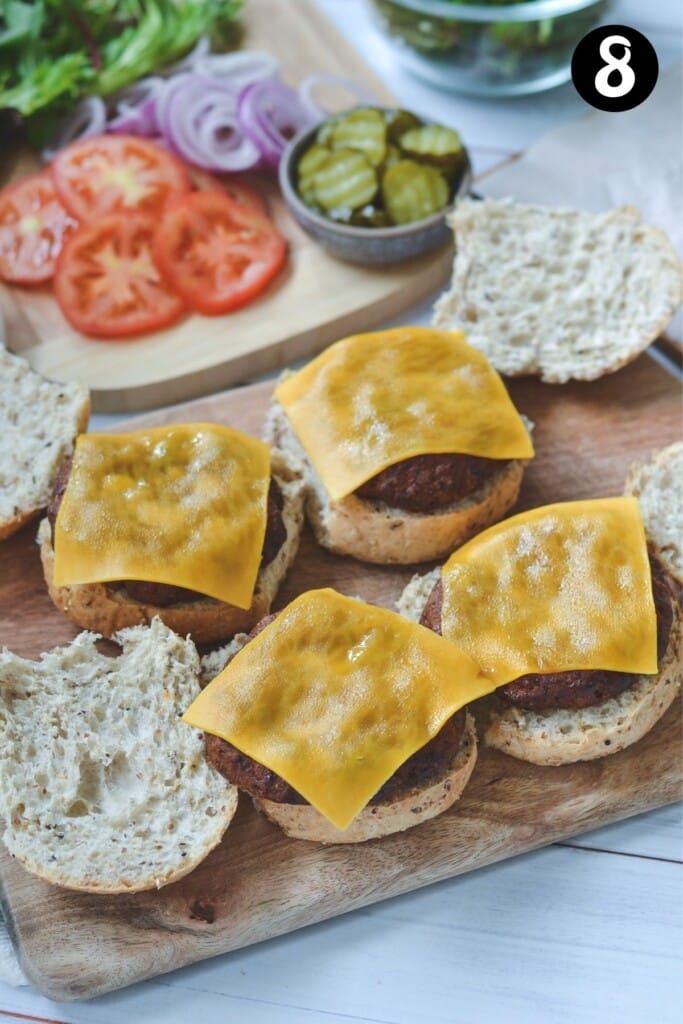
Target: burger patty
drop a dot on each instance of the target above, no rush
(427, 764)
(579, 688)
(427, 483)
(162, 594)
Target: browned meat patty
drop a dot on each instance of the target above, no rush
(162, 595)
(427, 483)
(425, 766)
(576, 689)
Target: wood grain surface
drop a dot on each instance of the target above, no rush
(313, 301)
(258, 883)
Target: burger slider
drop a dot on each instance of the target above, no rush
(577, 629)
(406, 440)
(190, 523)
(343, 721)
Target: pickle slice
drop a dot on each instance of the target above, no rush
(393, 156)
(312, 160)
(364, 130)
(399, 122)
(433, 144)
(412, 191)
(345, 182)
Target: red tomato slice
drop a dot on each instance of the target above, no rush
(116, 174)
(106, 282)
(231, 186)
(216, 253)
(33, 227)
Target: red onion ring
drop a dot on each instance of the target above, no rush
(240, 68)
(271, 113)
(308, 85)
(197, 115)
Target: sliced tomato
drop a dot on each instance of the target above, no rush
(107, 283)
(229, 184)
(33, 227)
(115, 174)
(216, 253)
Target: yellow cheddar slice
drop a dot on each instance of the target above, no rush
(559, 588)
(372, 400)
(183, 505)
(335, 695)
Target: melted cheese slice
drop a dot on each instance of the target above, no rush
(335, 695)
(558, 588)
(183, 505)
(373, 400)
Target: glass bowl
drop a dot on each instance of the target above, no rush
(491, 48)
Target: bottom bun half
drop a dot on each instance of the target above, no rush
(373, 531)
(564, 736)
(105, 610)
(301, 821)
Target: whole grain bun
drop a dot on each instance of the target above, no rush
(373, 531)
(102, 787)
(301, 821)
(560, 293)
(565, 736)
(39, 422)
(106, 610)
(658, 485)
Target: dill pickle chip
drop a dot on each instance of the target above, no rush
(433, 144)
(393, 156)
(364, 130)
(399, 122)
(312, 160)
(412, 191)
(345, 182)
(324, 134)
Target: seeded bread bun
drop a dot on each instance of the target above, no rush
(39, 422)
(563, 736)
(564, 294)
(301, 821)
(373, 531)
(658, 485)
(102, 787)
(106, 610)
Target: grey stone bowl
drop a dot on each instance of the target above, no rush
(370, 246)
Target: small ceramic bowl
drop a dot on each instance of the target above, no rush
(360, 244)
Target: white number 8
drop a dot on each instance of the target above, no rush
(627, 78)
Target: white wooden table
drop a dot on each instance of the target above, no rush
(583, 931)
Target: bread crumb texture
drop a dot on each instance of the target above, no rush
(658, 486)
(102, 787)
(39, 420)
(564, 294)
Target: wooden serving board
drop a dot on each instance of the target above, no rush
(258, 883)
(314, 301)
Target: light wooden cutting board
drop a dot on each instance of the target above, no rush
(258, 883)
(314, 301)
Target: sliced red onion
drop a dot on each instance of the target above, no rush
(136, 108)
(197, 115)
(240, 68)
(89, 117)
(191, 60)
(271, 113)
(309, 84)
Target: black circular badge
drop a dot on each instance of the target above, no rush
(614, 68)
